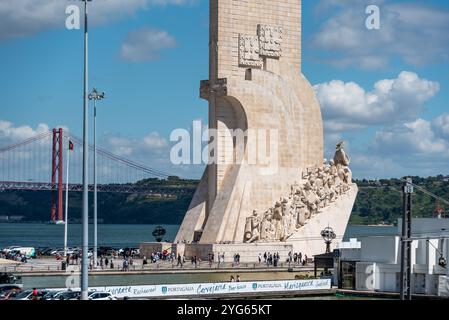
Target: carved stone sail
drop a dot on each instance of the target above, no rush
(256, 86)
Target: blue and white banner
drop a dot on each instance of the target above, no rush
(210, 289)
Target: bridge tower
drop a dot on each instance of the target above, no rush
(56, 173)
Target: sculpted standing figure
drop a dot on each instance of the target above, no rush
(252, 228)
(340, 157)
(277, 219)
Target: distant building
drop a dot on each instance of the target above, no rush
(374, 263)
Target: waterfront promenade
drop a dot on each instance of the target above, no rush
(51, 265)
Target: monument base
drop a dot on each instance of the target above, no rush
(307, 240)
(249, 252)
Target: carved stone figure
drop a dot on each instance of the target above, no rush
(252, 228)
(340, 157)
(321, 186)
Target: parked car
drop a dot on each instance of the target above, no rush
(9, 287)
(62, 295)
(9, 294)
(24, 295)
(28, 295)
(9, 249)
(101, 296)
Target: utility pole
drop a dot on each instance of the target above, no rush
(66, 219)
(85, 245)
(95, 96)
(406, 242)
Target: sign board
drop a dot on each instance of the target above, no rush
(210, 289)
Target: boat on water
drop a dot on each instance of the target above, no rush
(56, 222)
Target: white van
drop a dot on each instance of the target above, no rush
(29, 252)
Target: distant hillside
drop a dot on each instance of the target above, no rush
(377, 202)
(381, 201)
(167, 206)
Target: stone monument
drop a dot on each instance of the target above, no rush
(245, 204)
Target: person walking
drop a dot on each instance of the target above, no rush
(238, 278)
(35, 294)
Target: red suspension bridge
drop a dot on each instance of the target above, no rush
(38, 164)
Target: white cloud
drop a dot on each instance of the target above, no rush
(441, 126)
(347, 106)
(418, 147)
(11, 134)
(20, 18)
(417, 137)
(145, 44)
(414, 32)
(153, 140)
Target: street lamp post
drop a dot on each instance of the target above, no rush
(95, 96)
(85, 243)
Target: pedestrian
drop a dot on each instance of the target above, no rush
(106, 262)
(238, 278)
(265, 257)
(260, 258)
(35, 294)
(232, 279)
(112, 264)
(125, 265)
(211, 260)
(179, 261)
(144, 261)
(101, 263)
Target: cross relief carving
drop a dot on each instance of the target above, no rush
(267, 43)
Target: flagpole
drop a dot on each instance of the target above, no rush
(66, 202)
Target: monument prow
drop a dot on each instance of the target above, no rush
(256, 87)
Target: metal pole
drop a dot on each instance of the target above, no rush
(95, 183)
(60, 173)
(403, 253)
(66, 203)
(84, 261)
(406, 242)
(409, 243)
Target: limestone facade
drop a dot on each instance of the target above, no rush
(255, 85)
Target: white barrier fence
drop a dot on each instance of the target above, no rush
(211, 289)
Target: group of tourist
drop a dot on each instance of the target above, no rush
(15, 256)
(273, 259)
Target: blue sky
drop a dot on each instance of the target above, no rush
(149, 56)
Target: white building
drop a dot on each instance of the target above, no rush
(374, 263)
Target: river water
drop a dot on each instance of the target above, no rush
(119, 235)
